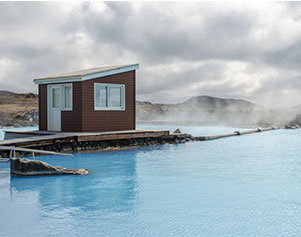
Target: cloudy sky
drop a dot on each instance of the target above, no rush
(240, 50)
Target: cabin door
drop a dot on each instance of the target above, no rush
(54, 108)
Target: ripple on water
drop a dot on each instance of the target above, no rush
(239, 186)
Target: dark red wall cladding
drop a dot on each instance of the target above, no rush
(83, 117)
(72, 120)
(110, 120)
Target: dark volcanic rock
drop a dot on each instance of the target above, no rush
(18, 110)
(177, 131)
(25, 118)
(30, 95)
(25, 167)
(29, 116)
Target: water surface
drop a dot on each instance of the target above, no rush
(194, 130)
(238, 186)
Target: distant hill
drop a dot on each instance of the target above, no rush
(219, 104)
(21, 109)
(207, 110)
(18, 109)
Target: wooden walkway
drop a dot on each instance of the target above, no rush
(39, 138)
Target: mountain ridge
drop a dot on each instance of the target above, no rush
(21, 109)
(209, 110)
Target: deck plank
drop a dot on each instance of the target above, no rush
(38, 139)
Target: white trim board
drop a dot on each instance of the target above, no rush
(86, 77)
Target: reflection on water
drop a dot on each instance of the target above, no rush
(107, 187)
(239, 186)
(193, 130)
(110, 188)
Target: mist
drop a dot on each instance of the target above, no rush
(212, 111)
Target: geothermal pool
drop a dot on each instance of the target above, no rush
(238, 186)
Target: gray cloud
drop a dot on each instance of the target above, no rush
(184, 49)
(288, 58)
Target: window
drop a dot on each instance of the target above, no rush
(115, 97)
(55, 98)
(101, 97)
(60, 96)
(109, 96)
(67, 96)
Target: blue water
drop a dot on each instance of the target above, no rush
(237, 186)
(194, 130)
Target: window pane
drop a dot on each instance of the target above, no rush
(68, 97)
(115, 97)
(101, 96)
(56, 98)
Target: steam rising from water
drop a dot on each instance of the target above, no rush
(205, 110)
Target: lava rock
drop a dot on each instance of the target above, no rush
(30, 95)
(178, 131)
(26, 167)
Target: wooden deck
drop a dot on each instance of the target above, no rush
(79, 141)
(34, 138)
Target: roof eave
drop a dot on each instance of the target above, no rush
(86, 77)
(56, 80)
(110, 72)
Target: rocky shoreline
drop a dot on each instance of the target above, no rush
(72, 145)
(18, 109)
(25, 167)
(20, 119)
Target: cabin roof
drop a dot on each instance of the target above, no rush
(87, 74)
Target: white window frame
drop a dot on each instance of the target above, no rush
(63, 97)
(108, 86)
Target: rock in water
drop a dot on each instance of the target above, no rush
(177, 131)
(25, 167)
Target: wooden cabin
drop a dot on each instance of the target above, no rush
(91, 100)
